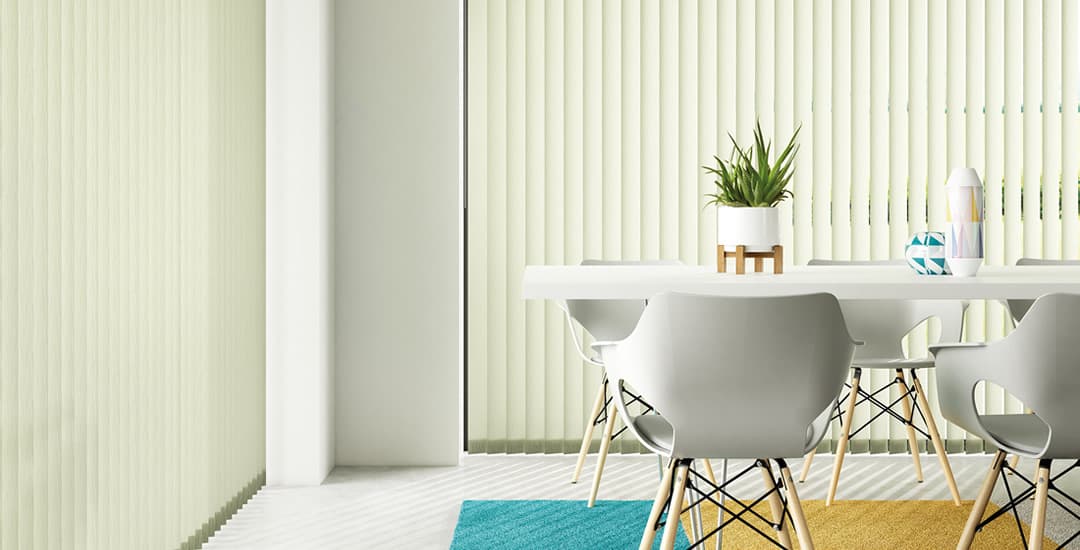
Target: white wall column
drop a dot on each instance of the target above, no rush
(299, 241)
(398, 138)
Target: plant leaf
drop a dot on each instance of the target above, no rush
(749, 177)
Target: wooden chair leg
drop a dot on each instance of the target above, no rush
(598, 404)
(935, 437)
(981, 501)
(1038, 512)
(709, 471)
(649, 535)
(671, 526)
(912, 441)
(712, 478)
(605, 444)
(798, 517)
(1035, 475)
(775, 503)
(845, 429)
(1013, 462)
(806, 465)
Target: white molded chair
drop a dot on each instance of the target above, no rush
(1017, 308)
(704, 362)
(882, 325)
(603, 320)
(1039, 363)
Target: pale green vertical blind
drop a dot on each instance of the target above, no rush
(131, 270)
(589, 120)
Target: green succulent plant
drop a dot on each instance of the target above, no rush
(748, 179)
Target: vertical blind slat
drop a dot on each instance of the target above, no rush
(975, 145)
(993, 49)
(821, 108)
(860, 131)
(1070, 129)
(841, 215)
(685, 243)
(955, 128)
(478, 264)
(517, 169)
(574, 394)
(552, 372)
(9, 311)
(1032, 130)
(639, 114)
(646, 208)
(1013, 130)
(498, 360)
(879, 130)
(802, 182)
(707, 121)
(665, 193)
(1051, 128)
(784, 97)
(917, 114)
(535, 226)
(899, 176)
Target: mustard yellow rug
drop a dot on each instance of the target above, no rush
(873, 524)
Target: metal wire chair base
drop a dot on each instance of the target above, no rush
(908, 392)
(1028, 491)
(704, 490)
(602, 416)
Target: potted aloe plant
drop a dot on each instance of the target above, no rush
(749, 186)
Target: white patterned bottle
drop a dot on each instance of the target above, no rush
(964, 238)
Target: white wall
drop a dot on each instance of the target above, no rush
(299, 193)
(398, 312)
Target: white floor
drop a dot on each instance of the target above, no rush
(373, 508)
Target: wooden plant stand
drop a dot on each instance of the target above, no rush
(740, 254)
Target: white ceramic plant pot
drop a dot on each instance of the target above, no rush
(756, 228)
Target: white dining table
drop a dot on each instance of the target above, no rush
(845, 282)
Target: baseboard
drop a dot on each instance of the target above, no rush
(900, 446)
(627, 445)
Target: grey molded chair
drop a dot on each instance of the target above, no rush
(703, 362)
(882, 325)
(1017, 308)
(1039, 363)
(603, 320)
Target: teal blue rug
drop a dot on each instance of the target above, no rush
(562, 524)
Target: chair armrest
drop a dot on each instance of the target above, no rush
(578, 339)
(598, 346)
(959, 369)
(956, 345)
(619, 398)
(611, 351)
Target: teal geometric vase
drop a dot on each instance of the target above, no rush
(925, 253)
